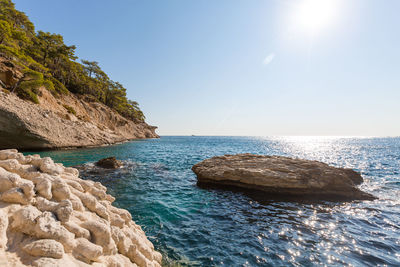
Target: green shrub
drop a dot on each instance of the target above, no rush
(28, 88)
(8, 51)
(32, 85)
(58, 86)
(32, 75)
(49, 86)
(27, 94)
(70, 109)
(20, 58)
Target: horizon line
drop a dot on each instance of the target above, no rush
(331, 136)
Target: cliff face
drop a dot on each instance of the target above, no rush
(49, 125)
(51, 217)
(65, 121)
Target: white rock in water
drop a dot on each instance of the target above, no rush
(63, 220)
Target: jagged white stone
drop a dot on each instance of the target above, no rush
(3, 229)
(45, 248)
(77, 230)
(101, 235)
(87, 251)
(51, 217)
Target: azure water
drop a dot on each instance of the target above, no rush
(199, 227)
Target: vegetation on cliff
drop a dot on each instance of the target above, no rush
(47, 61)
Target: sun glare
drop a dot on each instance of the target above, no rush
(315, 15)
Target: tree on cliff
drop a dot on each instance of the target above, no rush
(47, 54)
(19, 20)
(5, 31)
(90, 67)
(50, 49)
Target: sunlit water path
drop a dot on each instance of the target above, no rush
(198, 227)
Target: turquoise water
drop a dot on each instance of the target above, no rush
(198, 227)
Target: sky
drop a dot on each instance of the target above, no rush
(239, 67)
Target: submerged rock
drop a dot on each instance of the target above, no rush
(51, 217)
(109, 163)
(281, 176)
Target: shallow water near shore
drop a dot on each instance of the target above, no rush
(192, 226)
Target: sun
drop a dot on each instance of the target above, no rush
(313, 16)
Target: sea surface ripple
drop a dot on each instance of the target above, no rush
(191, 226)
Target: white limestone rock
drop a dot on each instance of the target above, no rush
(45, 248)
(51, 217)
(3, 229)
(87, 251)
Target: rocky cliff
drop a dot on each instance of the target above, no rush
(51, 217)
(65, 121)
(50, 125)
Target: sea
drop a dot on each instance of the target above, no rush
(193, 226)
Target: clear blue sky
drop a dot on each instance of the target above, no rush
(231, 67)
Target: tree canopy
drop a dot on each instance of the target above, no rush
(49, 62)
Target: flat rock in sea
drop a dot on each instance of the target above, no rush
(109, 163)
(281, 176)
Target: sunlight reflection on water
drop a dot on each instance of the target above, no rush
(198, 227)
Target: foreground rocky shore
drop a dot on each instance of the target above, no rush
(51, 217)
(281, 176)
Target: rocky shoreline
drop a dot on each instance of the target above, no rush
(281, 176)
(51, 217)
(49, 125)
